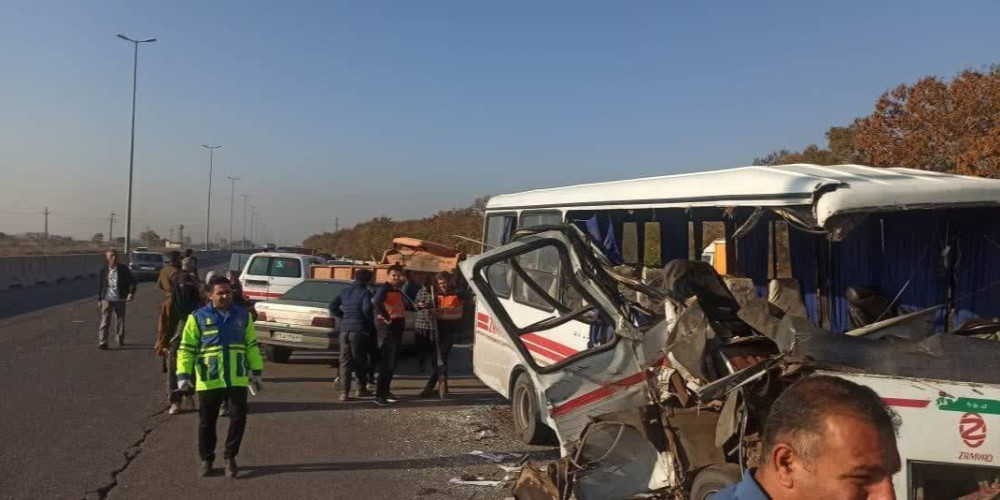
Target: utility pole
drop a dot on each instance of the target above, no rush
(253, 224)
(232, 196)
(208, 216)
(111, 229)
(336, 224)
(131, 147)
(46, 241)
(180, 234)
(246, 197)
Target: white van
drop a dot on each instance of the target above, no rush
(268, 275)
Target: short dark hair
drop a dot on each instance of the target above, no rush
(188, 252)
(398, 268)
(444, 275)
(363, 275)
(218, 280)
(798, 415)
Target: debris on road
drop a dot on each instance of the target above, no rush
(494, 457)
(470, 480)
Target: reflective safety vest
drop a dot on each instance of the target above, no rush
(394, 304)
(449, 307)
(219, 350)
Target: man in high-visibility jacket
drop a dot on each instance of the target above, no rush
(219, 339)
(390, 310)
(448, 306)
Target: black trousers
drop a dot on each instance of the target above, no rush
(390, 340)
(354, 350)
(424, 340)
(444, 340)
(208, 414)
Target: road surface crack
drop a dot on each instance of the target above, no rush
(130, 453)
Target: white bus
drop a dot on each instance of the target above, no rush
(574, 326)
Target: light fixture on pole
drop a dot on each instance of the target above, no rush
(131, 147)
(208, 216)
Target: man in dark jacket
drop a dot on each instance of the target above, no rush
(390, 309)
(353, 308)
(115, 287)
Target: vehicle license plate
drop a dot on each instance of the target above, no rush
(288, 337)
(146, 268)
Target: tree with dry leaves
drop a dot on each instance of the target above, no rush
(936, 125)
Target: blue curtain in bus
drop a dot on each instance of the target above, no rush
(751, 254)
(604, 236)
(673, 238)
(977, 272)
(909, 248)
(508, 229)
(854, 261)
(802, 249)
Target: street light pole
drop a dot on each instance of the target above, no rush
(243, 241)
(131, 147)
(208, 216)
(253, 221)
(232, 196)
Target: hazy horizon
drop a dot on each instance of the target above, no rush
(332, 110)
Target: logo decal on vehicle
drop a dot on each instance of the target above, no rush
(951, 403)
(972, 428)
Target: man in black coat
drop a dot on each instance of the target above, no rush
(115, 287)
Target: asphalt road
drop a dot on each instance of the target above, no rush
(84, 423)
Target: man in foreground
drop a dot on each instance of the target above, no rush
(353, 309)
(220, 340)
(115, 287)
(825, 438)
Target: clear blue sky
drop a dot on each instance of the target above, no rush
(367, 108)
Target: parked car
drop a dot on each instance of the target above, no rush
(146, 265)
(268, 275)
(300, 319)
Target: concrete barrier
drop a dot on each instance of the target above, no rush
(21, 271)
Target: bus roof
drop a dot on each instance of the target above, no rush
(829, 190)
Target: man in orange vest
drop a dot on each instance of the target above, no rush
(390, 311)
(448, 306)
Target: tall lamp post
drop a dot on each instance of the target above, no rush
(208, 216)
(131, 147)
(232, 196)
(243, 241)
(253, 221)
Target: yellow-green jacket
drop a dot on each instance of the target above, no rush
(222, 346)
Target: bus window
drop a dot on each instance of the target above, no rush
(630, 242)
(542, 266)
(498, 231)
(651, 255)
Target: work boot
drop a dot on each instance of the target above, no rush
(392, 398)
(364, 392)
(103, 346)
(426, 393)
(381, 401)
(205, 469)
(174, 409)
(231, 468)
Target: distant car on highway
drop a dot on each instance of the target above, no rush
(146, 265)
(268, 275)
(300, 319)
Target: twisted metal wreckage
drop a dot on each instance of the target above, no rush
(675, 399)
